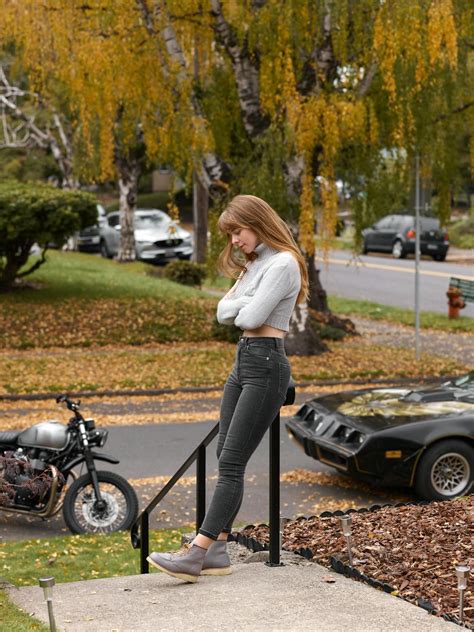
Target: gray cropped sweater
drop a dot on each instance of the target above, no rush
(266, 293)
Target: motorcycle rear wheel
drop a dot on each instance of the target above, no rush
(80, 510)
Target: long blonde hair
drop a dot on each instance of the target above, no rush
(249, 211)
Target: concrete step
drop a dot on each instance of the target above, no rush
(300, 595)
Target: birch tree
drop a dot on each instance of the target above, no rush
(128, 98)
(26, 121)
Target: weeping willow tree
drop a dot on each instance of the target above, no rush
(281, 97)
(129, 99)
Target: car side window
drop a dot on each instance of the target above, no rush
(113, 220)
(398, 223)
(384, 223)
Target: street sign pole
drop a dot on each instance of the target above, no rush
(417, 257)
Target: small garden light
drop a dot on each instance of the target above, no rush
(346, 522)
(462, 573)
(47, 583)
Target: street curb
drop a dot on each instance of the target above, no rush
(207, 389)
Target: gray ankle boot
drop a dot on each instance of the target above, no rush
(186, 567)
(217, 561)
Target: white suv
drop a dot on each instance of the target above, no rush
(157, 237)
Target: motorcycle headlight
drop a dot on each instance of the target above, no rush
(103, 438)
(98, 437)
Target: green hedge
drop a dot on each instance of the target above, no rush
(37, 213)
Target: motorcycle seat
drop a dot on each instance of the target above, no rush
(9, 436)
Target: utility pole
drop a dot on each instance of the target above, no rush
(417, 256)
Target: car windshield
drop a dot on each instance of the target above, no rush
(429, 223)
(152, 220)
(465, 381)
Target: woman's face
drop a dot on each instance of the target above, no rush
(245, 239)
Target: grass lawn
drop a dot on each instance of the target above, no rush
(429, 320)
(82, 300)
(18, 621)
(197, 364)
(68, 559)
(79, 300)
(76, 275)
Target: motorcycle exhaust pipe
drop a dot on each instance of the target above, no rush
(50, 507)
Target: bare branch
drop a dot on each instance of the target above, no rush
(459, 110)
(36, 265)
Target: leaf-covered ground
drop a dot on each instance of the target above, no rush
(414, 548)
(81, 323)
(199, 364)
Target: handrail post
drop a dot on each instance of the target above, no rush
(144, 542)
(200, 486)
(274, 493)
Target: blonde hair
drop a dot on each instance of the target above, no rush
(249, 211)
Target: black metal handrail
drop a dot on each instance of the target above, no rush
(141, 540)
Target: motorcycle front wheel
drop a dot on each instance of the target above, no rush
(84, 514)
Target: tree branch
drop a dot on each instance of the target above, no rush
(459, 110)
(35, 266)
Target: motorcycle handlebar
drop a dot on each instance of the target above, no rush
(74, 406)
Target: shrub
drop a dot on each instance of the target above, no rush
(37, 213)
(461, 234)
(186, 272)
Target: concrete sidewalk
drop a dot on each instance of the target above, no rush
(300, 595)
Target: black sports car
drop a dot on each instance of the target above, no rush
(422, 438)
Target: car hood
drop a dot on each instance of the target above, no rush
(152, 234)
(376, 409)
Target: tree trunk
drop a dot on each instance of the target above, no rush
(8, 275)
(200, 212)
(317, 294)
(303, 337)
(14, 262)
(129, 172)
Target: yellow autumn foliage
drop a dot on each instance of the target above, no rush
(335, 75)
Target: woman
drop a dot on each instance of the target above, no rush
(272, 281)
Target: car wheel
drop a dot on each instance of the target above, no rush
(445, 471)
(104, 251)
(398, 250)
(365, 250)
(439, 257)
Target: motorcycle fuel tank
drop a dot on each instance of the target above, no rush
(51, 435)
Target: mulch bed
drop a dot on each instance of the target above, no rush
(412, 548)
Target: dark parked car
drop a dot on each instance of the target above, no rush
(396, 234)
(421, 438)
(88, 239)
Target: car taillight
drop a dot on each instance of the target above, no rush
(411, 234)
(446, 236)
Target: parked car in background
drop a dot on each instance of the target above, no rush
(88, 239)
(396, 234)
(421, 438)
(157, 237)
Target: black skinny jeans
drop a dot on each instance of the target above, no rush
(253, 395)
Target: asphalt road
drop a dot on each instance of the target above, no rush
(383, 279)
(148, 451)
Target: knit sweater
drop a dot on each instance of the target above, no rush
(265, 294)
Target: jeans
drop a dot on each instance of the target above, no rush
(253, 394)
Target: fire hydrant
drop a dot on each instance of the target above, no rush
(455, 301)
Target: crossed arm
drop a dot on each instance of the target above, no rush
(250, 312)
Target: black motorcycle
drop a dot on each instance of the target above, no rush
(37, 464)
